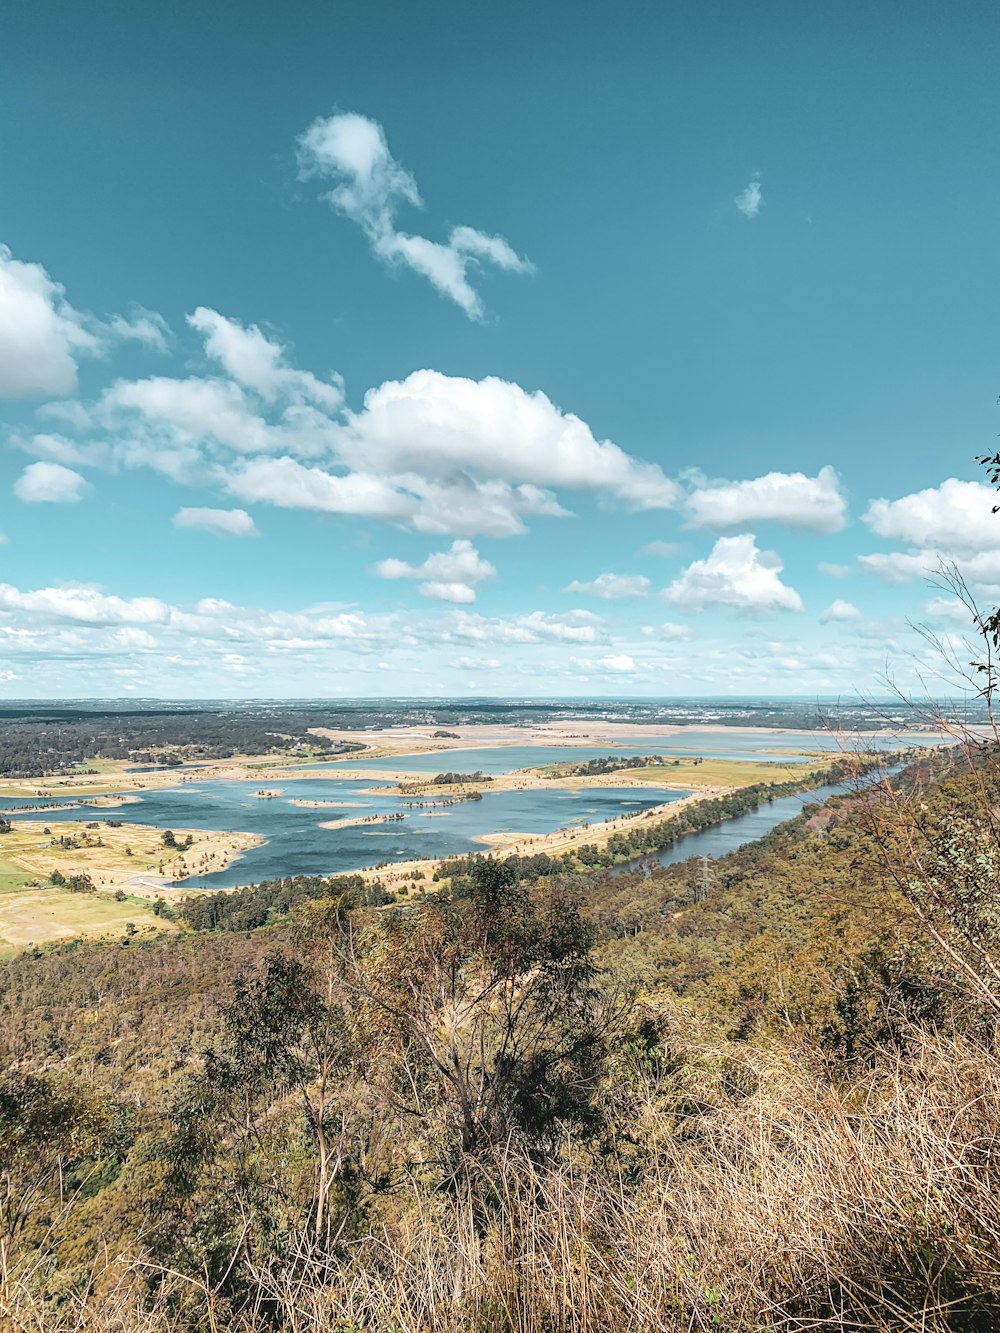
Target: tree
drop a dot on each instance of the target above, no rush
(494, 1018)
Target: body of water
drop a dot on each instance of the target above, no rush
(739, 831)
(297, 845)
(761, 746)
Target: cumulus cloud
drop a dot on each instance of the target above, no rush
(369, 186)
(41, 335)
(436, 425)
(224, 522)
(612, 587)
(955, 516)
(750, 199)
(840, 610)
(50, 483)
(436, 453)
(782, 497)
(833, 571)
(185, 412)
(950, 524)
(449, 576)
(734, 574)
(663, 550)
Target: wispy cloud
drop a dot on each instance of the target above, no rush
(369, 186)
(612, 587)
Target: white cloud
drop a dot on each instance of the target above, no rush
(225, 522)
(88, 606)
(981, 571)
(535, 627)
(612, 664)
(834, 571)
(840, 610)
(617, 662)
(451, 576)
(435, 425)
(259, 363)
(290, 485)
(948, 608)
(50, 483)
(41, 335)
(369, 186)
(955, 516)
(612, 586)
(440, 454)
(782, 497)
(735, 574)
(669, 630)
(479, 663)
(187, 412)
(141, 326)
(664, 550)
(750, 200)
(133, 640)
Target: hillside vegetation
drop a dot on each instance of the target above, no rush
(585, 1102)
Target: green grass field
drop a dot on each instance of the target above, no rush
(12, 877)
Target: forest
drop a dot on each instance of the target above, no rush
(45, 740)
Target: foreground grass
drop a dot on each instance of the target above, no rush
(784, 1203)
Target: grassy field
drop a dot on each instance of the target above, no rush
(707, 773)
(112, 856)
(12, 877)
(33, 911)
(33, 916)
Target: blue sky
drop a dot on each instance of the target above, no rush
(443, 349)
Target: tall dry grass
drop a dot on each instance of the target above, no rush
(789, 1205)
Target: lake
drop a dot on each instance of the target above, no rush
(296, 845)
(761, 746)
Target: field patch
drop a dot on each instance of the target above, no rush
(34, 916)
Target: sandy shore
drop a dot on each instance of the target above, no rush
(532, 844)
(328, 805)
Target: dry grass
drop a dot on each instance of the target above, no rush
(786, 1205)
